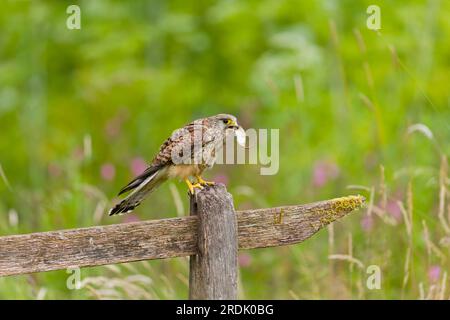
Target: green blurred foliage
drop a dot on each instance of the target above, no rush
(75, 101)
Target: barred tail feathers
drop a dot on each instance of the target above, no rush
(141, 190)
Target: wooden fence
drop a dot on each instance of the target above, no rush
(211, 236)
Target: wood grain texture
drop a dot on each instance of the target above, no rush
(213, 270)
(165, 238)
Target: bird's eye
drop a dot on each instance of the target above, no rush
(226, 121)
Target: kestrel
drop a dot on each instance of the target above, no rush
(184, 155)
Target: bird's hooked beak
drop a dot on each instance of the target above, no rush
(233, 125)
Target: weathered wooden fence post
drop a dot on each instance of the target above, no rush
(213, 271)
(211, 236)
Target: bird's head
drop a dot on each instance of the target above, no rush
(228, 123)
(225, 121)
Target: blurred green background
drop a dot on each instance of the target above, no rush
(359, 111)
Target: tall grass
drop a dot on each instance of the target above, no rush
(358, 112)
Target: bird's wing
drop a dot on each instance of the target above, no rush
(182, 139)
(139, 179)
(174, 143)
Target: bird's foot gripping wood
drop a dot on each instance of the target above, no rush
(192, 187)
(204, 182)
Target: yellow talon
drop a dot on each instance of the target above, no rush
(204, 182)
(192, 187)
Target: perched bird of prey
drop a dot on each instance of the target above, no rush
(184, 155)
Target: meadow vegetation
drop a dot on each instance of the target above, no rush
(359, 112)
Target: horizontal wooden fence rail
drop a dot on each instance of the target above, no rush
(165, 238)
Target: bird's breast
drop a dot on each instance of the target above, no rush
(183, 171)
